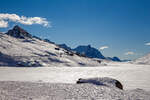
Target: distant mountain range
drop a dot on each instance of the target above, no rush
(20, 48)
(89, 51)
(114, 59)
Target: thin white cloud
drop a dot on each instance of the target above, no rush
(103, 47)
(129, 53)
(3, 24)
(5, 18)
(148, 44)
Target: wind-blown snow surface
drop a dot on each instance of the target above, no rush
(58, 83)
(32, 51)
(47, 91)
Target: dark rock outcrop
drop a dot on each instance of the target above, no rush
(18, 32)
(47, 40)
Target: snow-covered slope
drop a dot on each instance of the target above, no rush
(19, 48)
(143, 60)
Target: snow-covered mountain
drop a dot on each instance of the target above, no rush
(89, 51)
(19, 48)
(143, 60)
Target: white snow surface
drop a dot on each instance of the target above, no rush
(56, 81)
(37, 51)
(49, 91)
(130, 75)
(59, 83)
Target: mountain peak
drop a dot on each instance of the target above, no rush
(89, 51)
(19, 32)
(16, 27)
(64, 46)
(89, 46)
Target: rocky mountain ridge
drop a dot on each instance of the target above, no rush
(19, 48)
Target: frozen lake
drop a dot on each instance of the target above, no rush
(131, 76)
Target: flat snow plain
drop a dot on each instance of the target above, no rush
(130, 75)
(58, 83)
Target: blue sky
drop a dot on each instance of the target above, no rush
(121, 26)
